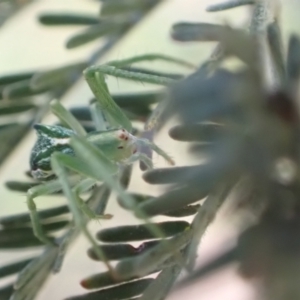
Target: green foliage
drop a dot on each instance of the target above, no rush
(251, 136)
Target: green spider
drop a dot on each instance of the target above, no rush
(93, 157)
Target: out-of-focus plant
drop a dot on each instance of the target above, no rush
(245, 120)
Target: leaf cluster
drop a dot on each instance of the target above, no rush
(250, 131)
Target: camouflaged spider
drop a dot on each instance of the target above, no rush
(91, 157)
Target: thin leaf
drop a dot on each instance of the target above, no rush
(134, 101)
(197, 132)
(22, 237)
(140, 232)
(12, 136)
(6, 292)
(81, 113)
(33, 269)
(293, 61)
(14, 108)
(13, 267)
(208, 104)
(186, 211)
(54, 19)
(7, 79)
(162, 284)
(94, 32)
(56, 77)
(204, 32)
(31, 278)
(20, 186)
(100, 280)
(117, 7)
(228, 5)
(121, 251)
(235, 42)
(145, 98)
(125, 176)
(18, 238)
(20, 219)
(199, 183)
(149, 261)
(55, 225)
(104, 280)
(169, 175)
(276, 47)
(178, 198)
(123, 291)
(20, 89)
(99, 199)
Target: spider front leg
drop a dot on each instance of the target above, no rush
(51, 187)
(42, 189)
(158, 150)
(94, 76)
(46, 188)
(142, 157)
(112, 112)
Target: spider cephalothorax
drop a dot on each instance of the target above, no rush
(118, 145)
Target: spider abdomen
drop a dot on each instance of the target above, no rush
(50, 139)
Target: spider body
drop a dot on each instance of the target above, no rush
(118, 145)
(73, 161)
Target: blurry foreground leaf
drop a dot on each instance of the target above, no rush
(58, 76)
(54, 19)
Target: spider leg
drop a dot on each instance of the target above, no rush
(110, 109)
(142, 157)
(43, 189)
(157, 149)
(151, 57)
(94, 76)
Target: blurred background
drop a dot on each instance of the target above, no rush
(26, 45)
